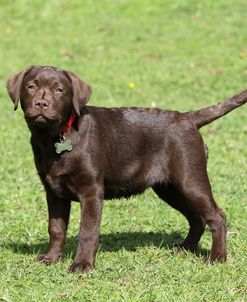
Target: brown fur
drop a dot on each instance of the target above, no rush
(117, 152)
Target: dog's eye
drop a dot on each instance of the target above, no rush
(59, 90)
(31, 87)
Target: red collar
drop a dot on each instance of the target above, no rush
(69, 122)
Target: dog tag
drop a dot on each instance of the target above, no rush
(63, 146)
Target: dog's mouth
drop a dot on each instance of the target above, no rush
(44, 121)
(40, 120)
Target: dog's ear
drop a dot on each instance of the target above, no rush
(81, 92)
(14, 86)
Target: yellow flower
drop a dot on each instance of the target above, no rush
(132, 85)
(243, 54)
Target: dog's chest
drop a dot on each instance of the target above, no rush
(57, 176)
(57, 184)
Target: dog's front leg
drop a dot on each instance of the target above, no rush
(91, 209)
(59, 210)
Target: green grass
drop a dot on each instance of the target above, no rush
(181, 55)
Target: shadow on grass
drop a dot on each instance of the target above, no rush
(129, 241)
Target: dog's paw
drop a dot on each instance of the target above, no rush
(185, 247)
(81, 267)
(218, 257)
(49, 258)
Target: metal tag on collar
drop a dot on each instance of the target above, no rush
(63, 145)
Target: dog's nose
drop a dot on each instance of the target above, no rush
(41, 104)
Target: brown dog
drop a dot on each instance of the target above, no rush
(88, 154)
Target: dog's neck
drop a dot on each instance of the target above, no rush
(55, 131)
(70, 122)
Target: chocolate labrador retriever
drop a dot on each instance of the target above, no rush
(88, 154)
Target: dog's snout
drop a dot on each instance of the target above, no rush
(41, 104)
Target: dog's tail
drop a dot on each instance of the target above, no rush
(207, 115)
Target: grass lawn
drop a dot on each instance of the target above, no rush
(180, 55)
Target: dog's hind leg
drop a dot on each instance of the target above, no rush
(197, 192)
(197, 224)
(195, 201)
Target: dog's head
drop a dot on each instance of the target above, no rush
(48, 95)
